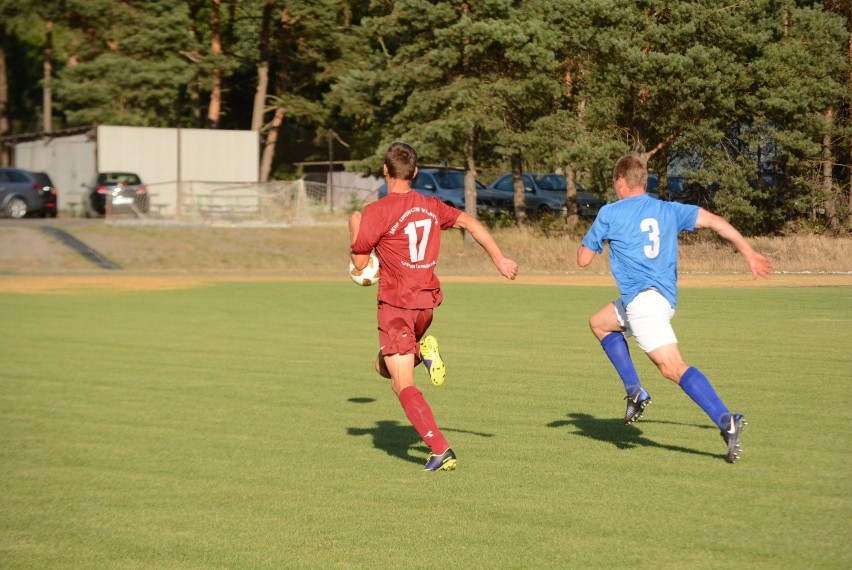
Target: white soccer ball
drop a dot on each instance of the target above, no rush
(367, 276)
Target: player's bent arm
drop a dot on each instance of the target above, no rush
(505, 266)
(354, 226)
(585, 256)
(759, 265)
(359, 260)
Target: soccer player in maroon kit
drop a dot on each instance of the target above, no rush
(404, 228)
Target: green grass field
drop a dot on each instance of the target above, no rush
(240, 425)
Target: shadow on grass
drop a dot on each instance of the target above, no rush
(356, 400)
(396, 440)
(402, 440)
(614, 431)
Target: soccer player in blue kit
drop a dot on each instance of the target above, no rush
(642, 233)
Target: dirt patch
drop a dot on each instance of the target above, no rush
(163, 258)
(74, 284)
(117, 282)
(697, 280)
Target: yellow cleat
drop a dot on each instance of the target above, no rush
(432, 359)
(445, 462)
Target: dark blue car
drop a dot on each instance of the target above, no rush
(681, 190)
(447, 184)
(547, 194)
(20, 193)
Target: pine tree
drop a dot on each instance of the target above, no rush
(801, 84)
(456, 79)
(129, 62)
(304, 47)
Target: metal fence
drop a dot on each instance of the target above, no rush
(275, 202)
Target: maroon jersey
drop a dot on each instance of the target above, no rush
(405, 230)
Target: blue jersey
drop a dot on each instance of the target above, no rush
(642, 233)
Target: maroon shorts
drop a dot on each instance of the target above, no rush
(400, 330)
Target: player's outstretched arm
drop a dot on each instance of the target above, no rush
(758, 264)
(506, 267)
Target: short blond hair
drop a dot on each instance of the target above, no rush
(633, 168)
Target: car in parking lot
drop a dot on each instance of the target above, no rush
(447, 184)
(547, 194)
(20, 193)
(116, 192)
(49, 194)
(679, 189)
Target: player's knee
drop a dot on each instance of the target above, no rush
(597, 327)
(594, 322)
(672, 370)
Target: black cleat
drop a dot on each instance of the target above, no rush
(636, 405)
(731, 434)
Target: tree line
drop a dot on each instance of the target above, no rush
(748, 100)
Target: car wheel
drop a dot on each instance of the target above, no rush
(16, 208)
(544, 212)
(143, 204)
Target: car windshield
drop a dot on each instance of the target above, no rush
(452, 179)
(16, 176)
(118, 178)
(555, 182)
(551, 182)
(42, 178)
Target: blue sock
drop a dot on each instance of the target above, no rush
(615, 347)
(698, 387)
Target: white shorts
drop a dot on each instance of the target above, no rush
(648, 319)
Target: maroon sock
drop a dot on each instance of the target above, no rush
(420, 415)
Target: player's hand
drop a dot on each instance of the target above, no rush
(507, 268)
(760, 266)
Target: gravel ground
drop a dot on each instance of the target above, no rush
(32, 260)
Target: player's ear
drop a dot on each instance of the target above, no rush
(385, 170)
(415, 173)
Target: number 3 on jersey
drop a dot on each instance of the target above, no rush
(417, 247)
(652, 228)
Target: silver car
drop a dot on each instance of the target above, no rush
(116, 192)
